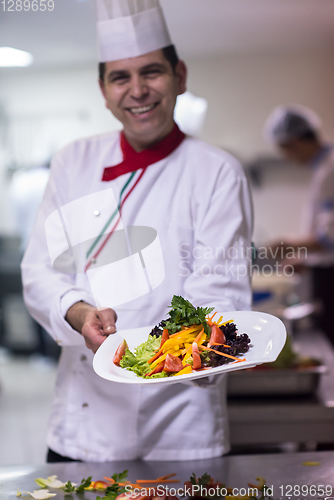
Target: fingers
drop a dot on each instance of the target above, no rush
(108, 318)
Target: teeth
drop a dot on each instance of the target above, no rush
(144, 109)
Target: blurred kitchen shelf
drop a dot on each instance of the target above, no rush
(26, 391)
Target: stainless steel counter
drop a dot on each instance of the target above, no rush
(304, 420)
(235, 471)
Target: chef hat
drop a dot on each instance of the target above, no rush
(130, 28)
(286, 123)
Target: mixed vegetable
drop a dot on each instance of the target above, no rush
(189, 340)
(117, 487)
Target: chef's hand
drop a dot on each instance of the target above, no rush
(95, 325)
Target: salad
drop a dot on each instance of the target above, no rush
(187, 341)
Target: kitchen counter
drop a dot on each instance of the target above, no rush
(279, 471)
(301, 420)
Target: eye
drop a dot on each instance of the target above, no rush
(119, 79)
(152, 72)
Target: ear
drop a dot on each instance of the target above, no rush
(103, 90)
(181, 75)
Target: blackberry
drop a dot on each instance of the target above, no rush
(158, 329)
(234, 345)
(229, 330)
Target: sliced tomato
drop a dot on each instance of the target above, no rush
(99, 485)
(217, 336)
(188, 484)
(164, 337)
(120, 352)
(173, 364)
(158, 369)
(197, 363)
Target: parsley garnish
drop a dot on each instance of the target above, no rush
(183, 313)
(201, 481)
(85, 483)
(115, 489)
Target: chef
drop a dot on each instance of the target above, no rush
(296, 131)
(128, 220)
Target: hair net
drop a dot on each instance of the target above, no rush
(286, 123)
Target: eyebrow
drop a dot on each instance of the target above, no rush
(125, 73)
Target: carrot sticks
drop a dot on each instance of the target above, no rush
(221, 353)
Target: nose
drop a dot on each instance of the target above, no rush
(139, 88)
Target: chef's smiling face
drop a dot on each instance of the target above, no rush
(141, 92)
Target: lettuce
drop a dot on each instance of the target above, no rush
(51, 482)
(37, 494)
(137, 361)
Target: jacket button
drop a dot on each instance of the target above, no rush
(96, 213)
(83, 358)
(93, 261)
(85, 405)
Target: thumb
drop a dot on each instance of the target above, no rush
(108, 318)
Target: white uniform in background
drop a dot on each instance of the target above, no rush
(197, 199)
(319, 212)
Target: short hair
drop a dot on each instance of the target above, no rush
(169, 53)
(310, 136)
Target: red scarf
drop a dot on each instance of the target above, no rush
(133, 161)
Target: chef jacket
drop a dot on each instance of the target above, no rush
(197, 200)
(318, 222)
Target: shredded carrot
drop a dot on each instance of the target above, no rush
(199, 336)
(155, 357)
(215, 343)
(166, 477)
(112, 481)
(214, 314)
(157, 481)
(221, 353)
(152, 371)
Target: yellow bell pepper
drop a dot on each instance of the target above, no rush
(185, 370)
(186, 357)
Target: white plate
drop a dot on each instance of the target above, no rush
(267, 334)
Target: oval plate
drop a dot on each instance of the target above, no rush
(267, 334)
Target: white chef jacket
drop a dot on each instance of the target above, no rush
(198, 201)
(318, 217)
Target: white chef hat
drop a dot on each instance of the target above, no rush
(130, 28)
(286, 123)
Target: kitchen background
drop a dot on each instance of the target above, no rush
(244, 57)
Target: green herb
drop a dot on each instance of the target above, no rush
(201, 481)
(121, 477)
(85, 483)
(183, 313)
(69, 487)
(137, 361)
(115, 489)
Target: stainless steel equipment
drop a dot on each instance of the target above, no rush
(275, 382)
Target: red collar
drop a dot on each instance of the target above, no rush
(133, 161)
